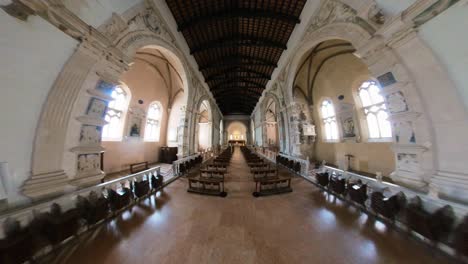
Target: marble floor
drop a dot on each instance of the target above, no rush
(305, 226)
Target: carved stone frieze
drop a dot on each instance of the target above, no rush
(114, 27)
(155, 24)
(334, 11)
(431, 12)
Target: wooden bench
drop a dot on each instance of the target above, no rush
(259, 173)
(207, 186)
(138, 167)
(212, 173)
(272, 185)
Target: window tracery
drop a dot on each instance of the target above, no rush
(114, 114)
(375, 110)
(329, 120)
(153, 122)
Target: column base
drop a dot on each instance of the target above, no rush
(46, 184)
(410, 181)
(88, 180)
(451, 186)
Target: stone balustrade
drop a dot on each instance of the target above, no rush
(68, 201)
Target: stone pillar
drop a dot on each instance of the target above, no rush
(48, 176)
(88, 148)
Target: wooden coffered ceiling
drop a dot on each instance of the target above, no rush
(237, 44)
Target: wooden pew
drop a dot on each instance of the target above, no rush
(207, 186)
(272, 185)
(137, 167)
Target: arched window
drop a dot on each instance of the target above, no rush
(153, 122)
(375, 110)
(329, 120)
(115, 115)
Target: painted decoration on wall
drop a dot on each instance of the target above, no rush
(386, 79)
(396, 102)
(88, 163)
(96, 108)
(348, 126)
(136, 117)
(90, 135)
(347, 120)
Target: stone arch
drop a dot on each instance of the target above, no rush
(135, 41)
(353, 33)
(280, 118)
(195, 118)
(65, 113)
(380, 60)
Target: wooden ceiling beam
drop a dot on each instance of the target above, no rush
(235, 70)
(236, 41)
(239, 13)
(235, 59)
(235, 80)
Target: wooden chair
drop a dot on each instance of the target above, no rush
(297, 167)
(93, 208)
(461, 238)
(322, 178)
(118, 201)
(18, 244)
(435, 226)
(156, 181)
(388, 207)
(337, 185)
(60, 225)
(358, 192)
(141, 188)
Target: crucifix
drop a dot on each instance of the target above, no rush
(349, 156)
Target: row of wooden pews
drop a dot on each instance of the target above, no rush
(26, 242)
(434, 224)
(265, 175)
(210, 180)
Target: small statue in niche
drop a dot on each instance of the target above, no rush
(135, 131)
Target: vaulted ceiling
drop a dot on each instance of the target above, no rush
(237, 44)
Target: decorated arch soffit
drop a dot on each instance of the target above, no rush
(143, 26)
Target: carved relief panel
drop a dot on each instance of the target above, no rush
(404, 132)
(96, 108)
(396, 102)
(88, 164)
(90, 135)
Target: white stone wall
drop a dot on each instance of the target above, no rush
(446, 36)
(32, 53)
